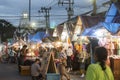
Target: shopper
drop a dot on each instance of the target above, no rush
(62, 65)
(69, 61)
(12, 58)
(100, 70)
(22, 54)
(35, 70)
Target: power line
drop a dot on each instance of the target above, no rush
(49, 5)
(14, 17)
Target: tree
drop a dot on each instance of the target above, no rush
(6, 30)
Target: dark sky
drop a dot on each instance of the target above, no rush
(17, 7)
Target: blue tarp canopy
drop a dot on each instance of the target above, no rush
(90, 31)
(111, 13)
(38, 36)
(112, 27)
(109, 20)
(107, 24)
(30, 36)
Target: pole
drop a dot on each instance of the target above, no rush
(69, 10)
(0, 38)
(29, 10)
(47, 17)
(69, 13)
(94, 7)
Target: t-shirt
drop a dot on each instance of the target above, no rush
(62, 55)
(35, 69)
(95, 72)
(69, 52)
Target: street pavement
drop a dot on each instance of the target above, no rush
(76, 76)
(10, 72)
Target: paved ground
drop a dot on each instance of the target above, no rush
(10, 72)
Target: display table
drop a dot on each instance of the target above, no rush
(115, 67)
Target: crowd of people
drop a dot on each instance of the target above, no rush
(66, 60)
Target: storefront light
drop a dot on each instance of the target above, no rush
(58, 44)
(64, 36)
(100, 33)
(25, 15)
(33, 46)
(33, 24)
(1, 47)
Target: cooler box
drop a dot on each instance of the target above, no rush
(52, 76)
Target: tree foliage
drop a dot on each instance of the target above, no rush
(6, 30)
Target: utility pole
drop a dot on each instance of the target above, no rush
(29, 10)
(70, 13)
(69, 9)
(94, 7)
(47, 16)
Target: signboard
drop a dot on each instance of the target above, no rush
(47, 64)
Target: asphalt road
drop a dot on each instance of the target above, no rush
(10, 72)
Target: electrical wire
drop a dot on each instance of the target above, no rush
(54, 3)
(52, 16)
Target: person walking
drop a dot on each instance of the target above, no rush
(69, 61)
(62, 65)
(100, 70)
(12, 58)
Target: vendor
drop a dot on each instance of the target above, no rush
(35, 70)
(23, 54)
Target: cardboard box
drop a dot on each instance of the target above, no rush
(25, 70)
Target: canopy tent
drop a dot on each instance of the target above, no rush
(90, 31)
(110, 19)
(30, 37)
(18, 44)
(50, 39)
(111, 13)
(78, 29)
(38, 37)
(112, 27)
(109, 23)
(104, 27)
